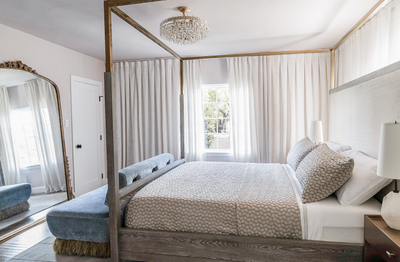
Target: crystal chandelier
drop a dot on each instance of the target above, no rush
(184, 30)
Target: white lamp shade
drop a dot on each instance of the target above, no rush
(389, 151)
(315, 133)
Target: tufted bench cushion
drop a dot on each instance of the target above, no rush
(84, 218)
(13, 195)
(130, 174)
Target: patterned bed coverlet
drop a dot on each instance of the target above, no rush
(245, 199)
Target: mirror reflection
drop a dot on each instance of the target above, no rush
(32, 171)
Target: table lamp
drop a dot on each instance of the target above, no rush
(315, 133)
(389, 167)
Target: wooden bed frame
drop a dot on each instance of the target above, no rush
(157, 246)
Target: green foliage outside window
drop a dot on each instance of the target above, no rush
(216, 114)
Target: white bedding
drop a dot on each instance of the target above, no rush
(328, 220)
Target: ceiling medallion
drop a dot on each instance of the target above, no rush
(184, 30)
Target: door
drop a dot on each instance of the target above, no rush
(87, 132)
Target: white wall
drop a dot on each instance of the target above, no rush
(214, 71)
(54, 62)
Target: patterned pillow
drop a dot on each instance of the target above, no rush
(299, 152)
(322, 172)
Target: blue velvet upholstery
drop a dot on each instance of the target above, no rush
(1, 176)
(14, 194)
(84, 218)
(130, 174)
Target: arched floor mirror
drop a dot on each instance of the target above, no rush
(34, 172)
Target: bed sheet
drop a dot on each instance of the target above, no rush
(328, 220)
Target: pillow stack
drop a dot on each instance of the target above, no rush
(300, 151)
(322, 172)
(364, 183)
(338, 148)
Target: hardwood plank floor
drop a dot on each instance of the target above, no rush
(24, 241)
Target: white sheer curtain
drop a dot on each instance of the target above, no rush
(194, 122)
(42, 100)
(273, 100)
(146, 112)
(244, 140)
(8, 151)
(372, 47)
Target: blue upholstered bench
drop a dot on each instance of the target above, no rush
(81, 226)
(14, 199)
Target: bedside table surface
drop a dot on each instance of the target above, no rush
(381, 243)
(393, 234)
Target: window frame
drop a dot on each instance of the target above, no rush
(215, 152)
(13, 125)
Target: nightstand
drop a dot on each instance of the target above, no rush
(381, 243)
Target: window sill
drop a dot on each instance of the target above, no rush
(219, 156)
(27, 168)
(218, 153)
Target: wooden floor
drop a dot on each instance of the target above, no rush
(36, 244)
(38, 203)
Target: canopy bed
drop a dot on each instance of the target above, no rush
(34, 167)
(138, 236)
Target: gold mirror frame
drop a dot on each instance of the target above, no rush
(18, 65)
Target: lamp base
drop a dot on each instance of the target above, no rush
(390, 211)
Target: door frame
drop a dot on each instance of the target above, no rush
(102, 166)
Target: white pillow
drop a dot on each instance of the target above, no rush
(338, 148)
(364, 183)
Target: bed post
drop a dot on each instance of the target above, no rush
(332, 68)
(182, 111)
(113, 179)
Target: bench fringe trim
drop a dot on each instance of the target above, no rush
(81, 248)
(12, 211)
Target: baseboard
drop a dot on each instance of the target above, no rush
(37, 190)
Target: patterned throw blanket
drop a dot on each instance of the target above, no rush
(219, 198)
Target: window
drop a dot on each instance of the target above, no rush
(216, 112)
(24, 135)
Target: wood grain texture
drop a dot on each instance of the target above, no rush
(374, 10)
(139, 184)
(129, 2)
(113, 179)
(370, 254)
(108, 37)
(142, 30)
(135, 243)
(182, 124)
(259, 54)
(381, 238)
(332, 68)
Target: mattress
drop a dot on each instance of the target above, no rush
(328, 220)
(243, 199)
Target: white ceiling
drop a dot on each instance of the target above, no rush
(237, 26)
(10, 78)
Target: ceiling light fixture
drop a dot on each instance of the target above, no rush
(184, 30)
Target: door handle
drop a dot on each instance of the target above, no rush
(78, 146)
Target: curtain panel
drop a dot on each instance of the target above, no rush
(193, 111)
(372, 47)
(8, 150)
(146, 110)
(42, 100)
(273, 100)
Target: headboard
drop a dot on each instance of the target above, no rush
(357, 109)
